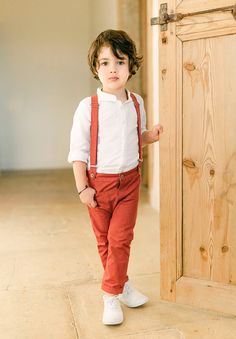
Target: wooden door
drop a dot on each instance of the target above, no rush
(198, 154)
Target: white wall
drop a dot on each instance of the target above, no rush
(44, 74)
(104, 16)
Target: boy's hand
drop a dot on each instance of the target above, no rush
(87, 197)
(156, 131)
(150, 136)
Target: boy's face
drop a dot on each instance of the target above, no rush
(112, 72)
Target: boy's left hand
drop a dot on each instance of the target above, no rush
(156, 131)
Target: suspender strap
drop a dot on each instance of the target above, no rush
(94, 133)
(93, 136)
(137, 107)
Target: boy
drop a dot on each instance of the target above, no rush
(107, 136)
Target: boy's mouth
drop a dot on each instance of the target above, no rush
(113, 78)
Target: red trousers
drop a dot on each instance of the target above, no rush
(113, 221)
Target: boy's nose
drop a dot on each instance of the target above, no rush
(113, 68)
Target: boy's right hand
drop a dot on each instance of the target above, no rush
(87, 197)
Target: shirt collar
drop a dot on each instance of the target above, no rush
(103, 96)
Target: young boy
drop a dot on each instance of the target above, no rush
(107, 136)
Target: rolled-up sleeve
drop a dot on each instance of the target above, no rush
(80, 133)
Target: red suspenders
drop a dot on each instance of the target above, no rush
(93, 136)
(137, 107)
(94, 133)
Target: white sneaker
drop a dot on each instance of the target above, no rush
(131, 297)
(113, 314)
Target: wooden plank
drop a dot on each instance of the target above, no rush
(179, 156)
(194, 6)
(168, 166)
(206, 29)
(208, 34)
(149, 88)
(206, 294)
(224, 70)
(208, 18)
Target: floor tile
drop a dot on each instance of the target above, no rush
(36, 314)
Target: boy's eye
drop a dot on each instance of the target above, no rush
(104, 63)
(120, 62)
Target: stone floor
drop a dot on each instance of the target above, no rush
(50, 271)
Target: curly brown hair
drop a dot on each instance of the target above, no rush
(120, 43)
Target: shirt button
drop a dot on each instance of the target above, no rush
(122, 176)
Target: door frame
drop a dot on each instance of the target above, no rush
(170, 169)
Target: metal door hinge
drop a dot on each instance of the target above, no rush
(164, 18)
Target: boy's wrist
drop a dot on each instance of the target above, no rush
(83, 189)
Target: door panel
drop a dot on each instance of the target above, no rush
(209, 121)
(198, 156)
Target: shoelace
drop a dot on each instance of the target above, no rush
(128, 289)
(113, 302)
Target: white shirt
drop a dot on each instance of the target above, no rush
(117, 149)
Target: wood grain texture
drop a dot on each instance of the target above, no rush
(198, 157)
(149, 87)
(206, 294)
(209, 120)
(168, 165)
(178, 2)
(207, 18)
(179, 165)
(209, 34)
(187, 6)
(205, 27)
